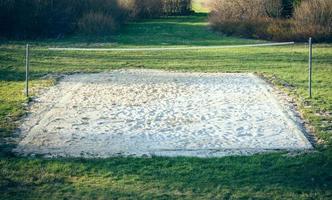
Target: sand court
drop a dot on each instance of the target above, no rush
(151, 112)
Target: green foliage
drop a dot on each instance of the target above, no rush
(287, 8)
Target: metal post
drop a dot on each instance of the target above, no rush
(310, 68)
(27, 70)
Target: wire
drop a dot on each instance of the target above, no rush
(172, 48)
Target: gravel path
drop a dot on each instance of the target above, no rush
(149, 112)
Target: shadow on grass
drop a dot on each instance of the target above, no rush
(174, 31)
(277, 174)
(166, 31)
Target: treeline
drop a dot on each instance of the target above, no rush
(56, 18)
(279, 20)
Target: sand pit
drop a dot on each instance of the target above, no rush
(148, 112)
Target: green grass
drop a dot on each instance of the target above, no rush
(200, 6)
(280, 175)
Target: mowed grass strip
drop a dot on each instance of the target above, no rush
(303, 176)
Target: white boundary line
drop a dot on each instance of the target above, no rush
(172, 48)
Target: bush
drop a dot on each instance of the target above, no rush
(97, 24)
(274, 8)
(100, 17)
(177, 7)
(147, 9)
(248, 18)
(280, 30)
(314, 19)
(236, 10)
(29, 18)
(274, 19)
(138, 9)
(51, 18)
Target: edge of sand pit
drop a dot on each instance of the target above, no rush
(290, 104)
(288, 110)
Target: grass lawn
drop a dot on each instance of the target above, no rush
(275, 175)
(200, 6)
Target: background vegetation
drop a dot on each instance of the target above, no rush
(56, 18)
(279, 20)
(139, 9)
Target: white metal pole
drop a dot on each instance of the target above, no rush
(27, 70)
(310, 67)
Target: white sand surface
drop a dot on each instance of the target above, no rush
(150, 112)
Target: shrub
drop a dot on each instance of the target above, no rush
(280, 30)
(100, 17)
(49, 18)
(236, 10)
(128, 6)
(138, 9)
(313, 18)
(248, 18)
(274, 19)
(147, 8)
(177, 7)
(273, 8)
(23, 18)
(97, 24)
